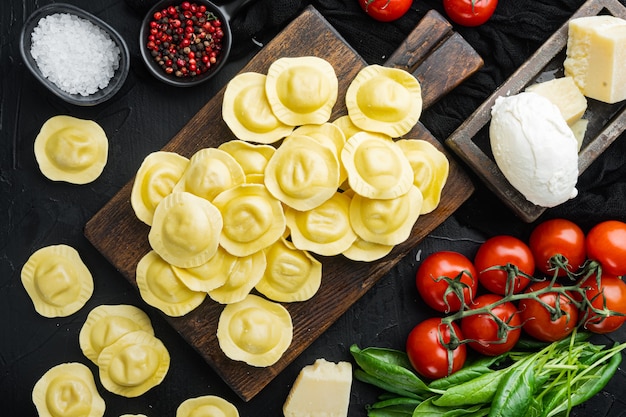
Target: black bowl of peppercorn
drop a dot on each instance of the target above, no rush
(185, 43)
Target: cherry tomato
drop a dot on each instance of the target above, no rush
(435, 290)
(385, 10)
(428, 356)
(537, 319)
(469, 12)
(558, 237)
(483, 328)
(610, 295)
(500, 251)
(606, 244)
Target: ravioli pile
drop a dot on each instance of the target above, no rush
(251, 213)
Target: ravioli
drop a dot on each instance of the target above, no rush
(133, 364)
(301, 90)
(291, 274)
(107, 323)
(210, 172)
(377, 167)
(71, 149)
(430, 170)
(385, 100)
(346, 125)
(242, 274)
(255, 331)
(160, 287)
(252, 219)
(251, 157)
(57, 281)
(362, 250)
(207, 405)
(330, 135)
(158, 174)
(68, 390)
(208, 276)
(302, 173)
(386, 222)
(247, 112)
(185, 230)
(324, 230)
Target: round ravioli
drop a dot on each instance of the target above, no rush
(185, 230)
(325, 229)
(210, 172)
(247, 112)
(71, 149)
(207, 405)
(242, 274)
(364, 251)
(329, 135)
(68, 390)
(301, 90)
(303, 173)
(346, 125)
(133, 364)
(430, 170)
(107, 323)
(57, 281)
(256, 331)
(386, 222)
(252, 218)
(160, 287)
(208, 276)
(251, 157)
(377, 167)
(291, 274)
(385, 100)
(158, 174)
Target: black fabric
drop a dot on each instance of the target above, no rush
(516, 30)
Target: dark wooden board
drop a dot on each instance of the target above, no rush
(606, 121)
(122, 239)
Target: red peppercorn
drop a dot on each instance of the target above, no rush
(185, 5)
(157, 16)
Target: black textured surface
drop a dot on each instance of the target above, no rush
(144, 116)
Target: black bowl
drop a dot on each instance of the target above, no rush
(189, 81)
(99, 96)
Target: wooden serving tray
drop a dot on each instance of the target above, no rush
(122, 239)
(606, 121)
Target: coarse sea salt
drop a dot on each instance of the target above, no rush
(73, 53)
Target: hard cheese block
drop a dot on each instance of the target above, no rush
(596, 57)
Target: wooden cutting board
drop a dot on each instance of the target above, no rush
(439, 59)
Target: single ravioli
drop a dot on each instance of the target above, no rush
(384, 100)
(301, 90)
(291, 274)
(206, 405)
(133, 364)
(158, 174)
(57, 281)
(242, 274)
(325, 229)
(251, 157)
(185, 230)
(253, 219)
(71, 149)
(256, 331)
(377, 167)
(386, 222)
(208, 276)
(303, 173)
(430, 170)
(330, 135)
(364, 251)
(346, 125)
(160, 287)
(68, 390)
(107, 323)
(210, 172)
(247, 112)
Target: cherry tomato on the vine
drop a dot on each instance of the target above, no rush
(500, 251)
(469, 12)
(489, 337)
(558, 237)
(428, 356)
(435, 289)
(610, 295)
(385, 10)
(606, 244)
(537, 320)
